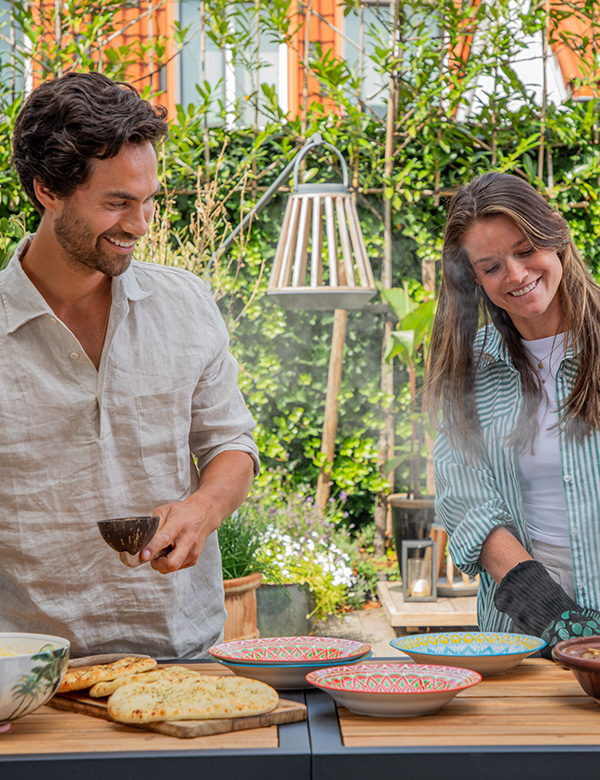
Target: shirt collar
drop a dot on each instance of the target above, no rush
(491, 346)
(23, 302)
(495, 348)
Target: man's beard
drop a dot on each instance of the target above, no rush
(77, 241)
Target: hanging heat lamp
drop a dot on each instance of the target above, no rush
(321, 261)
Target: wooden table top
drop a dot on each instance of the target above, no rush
(537, 703)
(51, 731)
(511, 725)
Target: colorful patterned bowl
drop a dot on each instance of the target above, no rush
(393, 690)
(31, 669)
(289, 650)
(284, 677)
(483, 652)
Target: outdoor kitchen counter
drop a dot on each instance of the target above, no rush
(534, 722)
(51, 744)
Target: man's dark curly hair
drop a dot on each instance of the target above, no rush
(70, 121)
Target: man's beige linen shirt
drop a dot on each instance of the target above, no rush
(78, 445)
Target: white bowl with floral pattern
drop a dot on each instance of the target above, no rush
(488, 653)
(32, 667)
(393, 690)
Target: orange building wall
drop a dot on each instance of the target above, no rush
(139, 25)
(320, 32)
(576, 62)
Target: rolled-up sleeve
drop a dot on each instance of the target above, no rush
(220, 419)
(468, 502)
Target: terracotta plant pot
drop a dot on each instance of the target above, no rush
(240, 603)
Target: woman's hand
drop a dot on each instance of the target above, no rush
(540, 607)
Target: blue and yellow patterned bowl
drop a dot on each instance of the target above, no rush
(484, 652)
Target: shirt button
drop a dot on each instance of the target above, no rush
(53, 320)
(559, 374)
(74, 355)
(580, 585)
(567, 478)
(574, 532)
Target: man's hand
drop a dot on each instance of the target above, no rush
(186, 525)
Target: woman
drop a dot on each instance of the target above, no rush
(517, 457)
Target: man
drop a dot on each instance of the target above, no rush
(118, 395)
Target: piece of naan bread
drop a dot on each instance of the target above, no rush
(78, 679)
(167, 673)
(206, 697)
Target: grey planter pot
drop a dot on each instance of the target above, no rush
(282, 610)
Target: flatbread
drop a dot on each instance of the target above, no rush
(168, 673)
(78, 679)
(204, 698)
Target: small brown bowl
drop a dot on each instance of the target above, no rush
(569, 653)
(128, 534)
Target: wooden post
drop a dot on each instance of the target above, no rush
(386, 439)
(334, 380)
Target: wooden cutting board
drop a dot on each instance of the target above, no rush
(286, 712)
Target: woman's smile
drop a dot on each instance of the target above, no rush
(518, 277)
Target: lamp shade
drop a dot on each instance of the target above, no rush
(321, 260)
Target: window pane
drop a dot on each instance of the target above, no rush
(376, 25)
(252, 69)
(191, 65)
(10, 78)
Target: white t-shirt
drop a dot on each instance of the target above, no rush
(540, 473)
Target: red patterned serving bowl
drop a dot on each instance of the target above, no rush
(291, 650)
(393, 690)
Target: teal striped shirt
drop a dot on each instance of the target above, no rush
(474, 497)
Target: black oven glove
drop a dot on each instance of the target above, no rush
(540, 607)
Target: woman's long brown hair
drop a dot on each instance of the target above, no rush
(463, 306)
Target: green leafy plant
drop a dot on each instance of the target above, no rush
(415, 309)
(241, 543)
(307, 548)
(441, 139)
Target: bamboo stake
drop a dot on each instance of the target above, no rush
(58, 30)
(305, 63)
(13, 49)
(205, 136)
(151, 50)
(334, 380)
(386, 439)
(256, 90)
(545, 33)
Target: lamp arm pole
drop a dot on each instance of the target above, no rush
(314, 140)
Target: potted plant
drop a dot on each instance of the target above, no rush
(240, 542)
(307, 569)
(412, 509)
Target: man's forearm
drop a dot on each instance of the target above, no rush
(186, 525)
(224, 484)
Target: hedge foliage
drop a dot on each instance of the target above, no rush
(441, 138)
